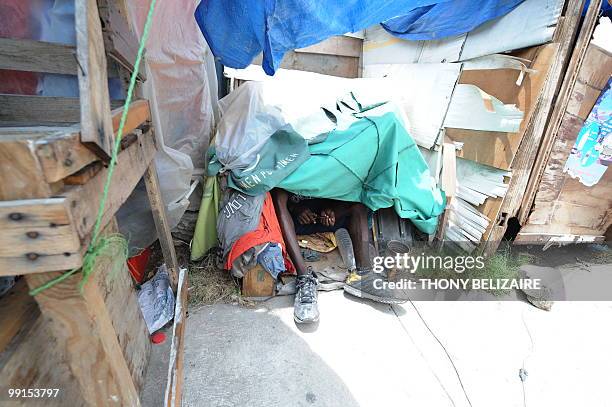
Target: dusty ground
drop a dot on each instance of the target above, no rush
(365, 354)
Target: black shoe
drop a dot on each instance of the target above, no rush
(305, 306)
(365, 283)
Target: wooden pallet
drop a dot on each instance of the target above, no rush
(90, 342)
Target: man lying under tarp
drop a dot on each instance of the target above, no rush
(299, 215)
(367, 160)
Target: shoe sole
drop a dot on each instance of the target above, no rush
(299, 321)
(362, 294)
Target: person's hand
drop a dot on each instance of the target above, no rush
(307, 217)
(328, 217)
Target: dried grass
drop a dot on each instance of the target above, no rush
(208, 284)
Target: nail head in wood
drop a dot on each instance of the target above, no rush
(16, 216)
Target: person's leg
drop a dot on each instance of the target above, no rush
(364, 282)
(359, 232)
(354, 216)
(281, 198)
(305, 306)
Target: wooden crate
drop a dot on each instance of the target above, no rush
(91, 342)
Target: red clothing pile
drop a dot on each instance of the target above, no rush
(268, 230)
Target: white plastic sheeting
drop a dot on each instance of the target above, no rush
(247, 123)
(257, 109)
(181, 87)
(424, 91)
(472, 108)
(475, 183)
(421, 91)
(181, 81)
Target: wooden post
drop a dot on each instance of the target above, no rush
(448, 183)
(161, 223)
(81, 323)
(174, 385)
(96, 122)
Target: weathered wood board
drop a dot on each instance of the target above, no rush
(564, 207)
(95, 118)
(31, 356)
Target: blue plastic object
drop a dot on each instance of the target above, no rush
(447, 18)
(239, 30)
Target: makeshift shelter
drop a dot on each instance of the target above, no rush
(483, 115)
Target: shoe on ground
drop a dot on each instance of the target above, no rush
(305, 306)
(367, 284)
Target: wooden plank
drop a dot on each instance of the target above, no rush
(95, 115)
(120, 41)
(10, 266)
(37, 56)
(38, 241)
(40, 56)
(38, 109)
(35, 359)
(20, 110)
(121, 299)
(34, 212)
(21, 176)
(337, 45)
(63, 154)
(15, 306)
(335, 65)
(174, 383)
(122, 302)
(161, 223)
(82, 325)
(83, 202)
(536, 125)
(522, 192)
(84, 174)
(448, 179)
(448, 183)
(131, 165)
(37, 236)
(596, 72)
(138, 114)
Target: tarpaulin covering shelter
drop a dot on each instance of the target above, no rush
(374, 161)
(239, 30)
(447, 18)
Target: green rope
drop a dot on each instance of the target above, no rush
(97, 245)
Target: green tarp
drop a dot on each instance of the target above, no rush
(205, 234)
(374, 161)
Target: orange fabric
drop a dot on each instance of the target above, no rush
(268, 230)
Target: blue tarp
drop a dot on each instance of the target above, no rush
(239, 30)
(447, 18)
